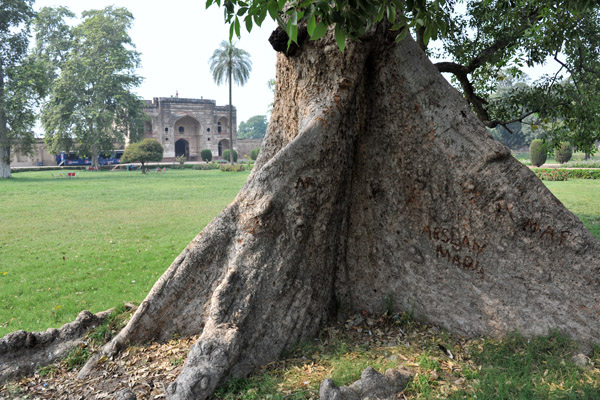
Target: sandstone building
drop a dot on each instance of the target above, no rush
(187, 126)
(181, 126)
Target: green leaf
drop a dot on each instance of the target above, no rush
(281, 4)
(402, 34)
(248, 21)
(237, 27)
(208, 3)
(273, 9)
(231, 28)
(340, 38)
(391, 13)
(312, 23)
(319, 31)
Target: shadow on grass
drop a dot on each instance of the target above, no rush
(521, 368)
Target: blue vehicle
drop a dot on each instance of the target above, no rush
(72, 158)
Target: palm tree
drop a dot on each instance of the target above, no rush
(229, 62)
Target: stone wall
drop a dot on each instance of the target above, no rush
(245, 146)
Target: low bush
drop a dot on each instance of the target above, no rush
(226, 155)
(552, 175)
(538, 152)
(232, 167)
(207, 166)
(254, 153)
(583, 164)
(206, 155)
(563, 152)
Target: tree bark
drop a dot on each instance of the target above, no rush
(375, 181)
(4, 139)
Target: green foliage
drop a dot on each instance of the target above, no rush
(563, 152)
(23, 82)
(230, 64)
(348, 21)
(538, 152)
(226, 155)
(569, 173)
(77, 357)
(553, 174)
(145, 151)
(206, 155)
(232, 167)
(254, 128)
(91, 102)
(254, 153)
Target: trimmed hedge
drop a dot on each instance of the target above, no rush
(553, 174)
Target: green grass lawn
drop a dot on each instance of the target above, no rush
(582, 197)
(103, 238)
(97, 240)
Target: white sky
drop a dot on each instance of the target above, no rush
(176, 38)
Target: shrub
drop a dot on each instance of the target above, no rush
(145, 151)
(254, 153)
(538, 152)
(206, 155)
(563, 152)
(226, 155)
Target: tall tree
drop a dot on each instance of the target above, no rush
(91, 104)
(228, 63)
(375, 182)
(22, 82)
(254, 128)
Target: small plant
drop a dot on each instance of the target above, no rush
(206, 155)
(48, 370)
(111, 325)
(176, 362)
(77, 357)
(181, 160)
(538, 152)
(254, 153)
(226, 155)
(563, 152)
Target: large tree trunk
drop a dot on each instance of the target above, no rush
(4, 159)
(375, 181)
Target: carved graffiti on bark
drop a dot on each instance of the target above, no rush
(550, 233)
(458, 242)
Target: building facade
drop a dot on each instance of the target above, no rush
(182, 126)
(187, 126)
